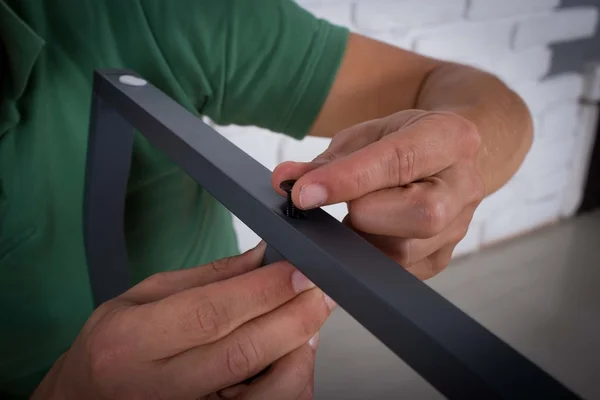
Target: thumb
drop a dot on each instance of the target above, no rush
(293, 170)
(344, 143)
(172, 282)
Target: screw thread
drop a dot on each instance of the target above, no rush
(291, 210)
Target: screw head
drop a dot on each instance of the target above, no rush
(287, 186)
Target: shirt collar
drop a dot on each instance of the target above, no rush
(22, 47)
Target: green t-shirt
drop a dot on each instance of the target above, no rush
(266, 63)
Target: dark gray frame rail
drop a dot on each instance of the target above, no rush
(450, 350)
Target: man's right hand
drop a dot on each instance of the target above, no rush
(198, 333)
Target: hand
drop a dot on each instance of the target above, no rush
(411, 182)
(196, 334)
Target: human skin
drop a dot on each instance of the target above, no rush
(417, 144)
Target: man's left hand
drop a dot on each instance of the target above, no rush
(411, 182)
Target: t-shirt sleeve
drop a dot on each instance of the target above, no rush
(267, 63)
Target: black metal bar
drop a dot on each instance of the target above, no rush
(107, 171)
(450, 350)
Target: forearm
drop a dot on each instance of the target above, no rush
(501, 116)
(377, 80)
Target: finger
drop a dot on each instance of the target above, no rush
(288, 378)
(345, 142)
(419, 150)
(420, 210)
(308, 393)
(408, 252)
(206, 314)
(249, 349)
(290, 170)
(432, 265)
(233, 392)
(161, 285)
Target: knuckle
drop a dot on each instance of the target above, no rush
(311, 318)
(325, 157)
(158, 280)
(365, 179)
(309, 326)
(459, 234)
(209, 319)
(432, 217)
(103, 354)
(461, 128)
(221, 265)
(243, 357)
(402, 165)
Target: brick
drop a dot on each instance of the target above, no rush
(547, 184)
(566, 87)
(336, 12)
(387, 15)
(465, 40)
(484, 61)
(521, 219)
(303, 150)
(559, 121)
(260, 144)
(398, 38)
(483, 9)
(529, 64)
(559, 26)
(512, 193)
(548, 156)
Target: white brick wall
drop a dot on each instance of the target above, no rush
(556, 26)
(390, 15)
(510, 38)
(337, 12)
(530, 64)
(488, 9)
(469, 40)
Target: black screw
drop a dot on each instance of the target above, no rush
(290, 210)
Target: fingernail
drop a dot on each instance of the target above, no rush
(301, 282)
(232, 392)
(314, 341)
(258, 249)
(260, 246)
(312, 195)
(330, 303)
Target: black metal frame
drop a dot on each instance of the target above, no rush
(450, 350)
